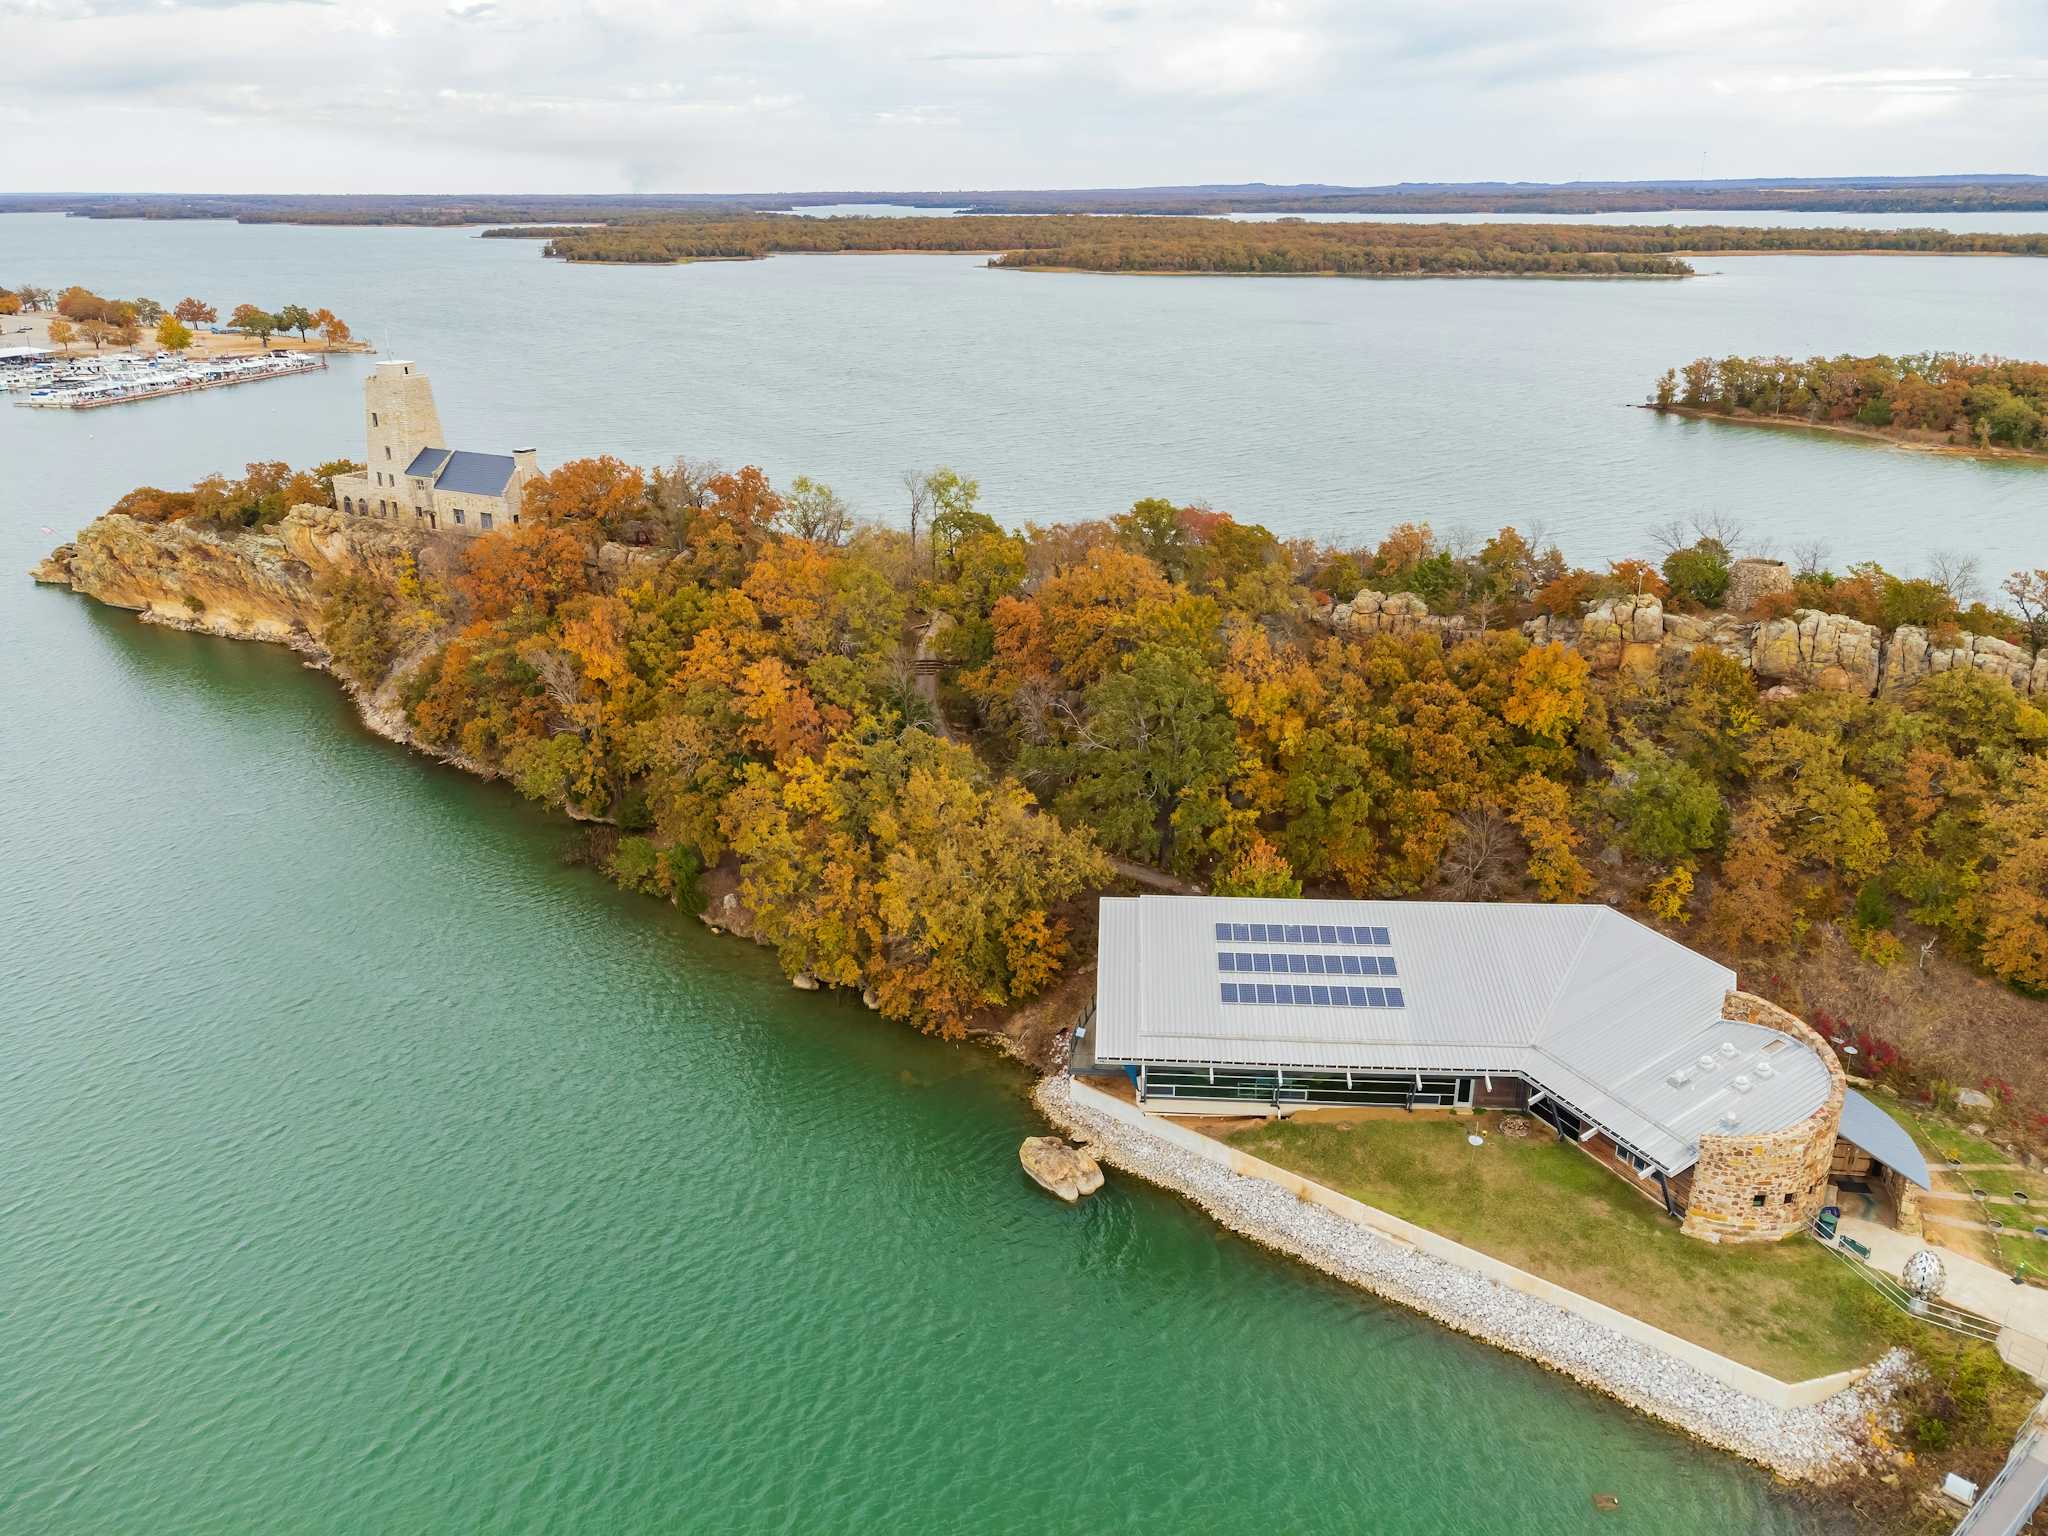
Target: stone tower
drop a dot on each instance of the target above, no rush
(399, 419)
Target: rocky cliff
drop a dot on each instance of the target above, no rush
(271, 584)
(1809, 649)
(248, 585)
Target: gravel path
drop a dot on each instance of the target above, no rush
(1808, 1444)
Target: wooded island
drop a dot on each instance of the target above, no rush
(1928, 399)
(1280, 248)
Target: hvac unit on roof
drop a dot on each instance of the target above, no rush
(1679, 1078)
(1742, 1083)
(1728, 1049)
(1707, 1063)
(1764, 1069)
(1730, 1120)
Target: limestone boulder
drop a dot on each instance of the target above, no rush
(1368, 601)
(1059, 1168)
(620, 566)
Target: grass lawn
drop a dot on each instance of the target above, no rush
(1787, 1308)
(1943, 1141)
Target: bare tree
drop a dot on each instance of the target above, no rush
(1809, 559)
(918, 487)
(674, 494)
(1958, 574)
(1476, 866)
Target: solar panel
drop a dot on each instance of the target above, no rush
(1305, 995)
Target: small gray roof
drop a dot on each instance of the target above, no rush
(455, 469)
(480, 474)
(1883, 1138)
(1619, 1022)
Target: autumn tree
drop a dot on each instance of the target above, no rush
(1548, 698)
(296, 317)
(172, 334)
(1261, 870)
(62, 334)
(334, 330)
(813, 510)
(78, 304)
(596, 497)
(194, 312)
(251, 321)
(1751, 906)
(1541, 811)
(534, 567)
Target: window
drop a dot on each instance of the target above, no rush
(1757, 1201)
(373, 418)
(380, 506)
(515, 519)
(387, 450)
(1788, 1199)
(458, 514)
(486, 522)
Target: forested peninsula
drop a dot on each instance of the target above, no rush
(1282, 247)
(1938, 400)
(1836, 778)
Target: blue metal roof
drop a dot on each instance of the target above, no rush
(427, 461)
(1883, 1138)
(480, 474)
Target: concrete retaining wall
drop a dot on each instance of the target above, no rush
(1743, 1378)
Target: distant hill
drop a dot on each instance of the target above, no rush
(1960, 193)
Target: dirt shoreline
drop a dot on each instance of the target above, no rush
(1845, 429)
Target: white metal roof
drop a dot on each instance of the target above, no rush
(1590, 1005)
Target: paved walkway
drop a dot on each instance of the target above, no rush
(2021, 1310)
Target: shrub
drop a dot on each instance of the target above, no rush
(1699, 574)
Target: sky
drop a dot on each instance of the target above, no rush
(802, 95)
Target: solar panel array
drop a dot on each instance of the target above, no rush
(1301, 933)
(1342, 992)
(1296, 995)
(1263, 962)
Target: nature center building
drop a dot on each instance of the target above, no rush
(412, 474)
(1724, 1107)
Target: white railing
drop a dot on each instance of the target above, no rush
(1939, 1313)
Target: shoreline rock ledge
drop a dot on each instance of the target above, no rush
(1067, 1171)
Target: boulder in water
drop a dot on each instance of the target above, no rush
(1066, 1171)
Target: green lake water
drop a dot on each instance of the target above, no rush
(366, 1168)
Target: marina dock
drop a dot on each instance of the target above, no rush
(84, 384)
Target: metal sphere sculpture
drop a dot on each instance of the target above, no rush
(1924, 1275)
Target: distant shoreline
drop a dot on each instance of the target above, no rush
(996, 266)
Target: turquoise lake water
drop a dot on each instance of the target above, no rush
(368, 1168)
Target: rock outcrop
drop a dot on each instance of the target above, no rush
(1810, 649)
(248, 585)
(270, 584)
(1392, 613)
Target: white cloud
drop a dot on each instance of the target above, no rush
(758, 95)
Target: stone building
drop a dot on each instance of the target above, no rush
(1724, 1109)
(413, 475)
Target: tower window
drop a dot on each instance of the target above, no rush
(387, 450)
(373, 418)
(486, 519)
(458, 514)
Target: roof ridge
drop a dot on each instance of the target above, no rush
(1542, 1030)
